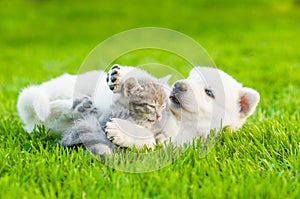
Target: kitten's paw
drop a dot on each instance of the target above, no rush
(83, 106)
(113, 78)
(115, 134)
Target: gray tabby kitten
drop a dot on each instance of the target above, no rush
(141, 101)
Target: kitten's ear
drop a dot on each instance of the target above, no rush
(131, 86)
(248, 100)
(165, 80)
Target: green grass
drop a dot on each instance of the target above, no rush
(255, 41)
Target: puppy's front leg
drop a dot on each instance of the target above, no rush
(126, 134)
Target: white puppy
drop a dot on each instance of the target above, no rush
(208, 99)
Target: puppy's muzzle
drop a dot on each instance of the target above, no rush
(178, 91)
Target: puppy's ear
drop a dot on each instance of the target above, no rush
(248, 100)
(131, 86)
(165, 80)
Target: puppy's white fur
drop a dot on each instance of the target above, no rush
(43, 104)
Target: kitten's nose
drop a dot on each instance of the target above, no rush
(158, 116)
(181, 86)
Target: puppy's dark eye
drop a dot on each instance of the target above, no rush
(209, 93)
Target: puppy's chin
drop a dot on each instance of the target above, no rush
(180, 103)
(175, 105)
(181, 113)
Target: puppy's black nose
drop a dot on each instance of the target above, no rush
(181, 86)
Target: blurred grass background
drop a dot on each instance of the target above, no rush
(256, 41)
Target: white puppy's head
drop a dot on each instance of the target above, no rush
(213, 99)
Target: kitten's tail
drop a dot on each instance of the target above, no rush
(33, 106)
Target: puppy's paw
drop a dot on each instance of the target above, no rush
(126, 134)
(113, 78)
(115, 133)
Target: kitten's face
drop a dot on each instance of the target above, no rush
(147, 101)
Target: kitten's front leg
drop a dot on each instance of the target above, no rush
(126, 134)
(83, 106)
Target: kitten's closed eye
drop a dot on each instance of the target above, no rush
(151, 106)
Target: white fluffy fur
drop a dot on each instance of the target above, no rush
(40, 104)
